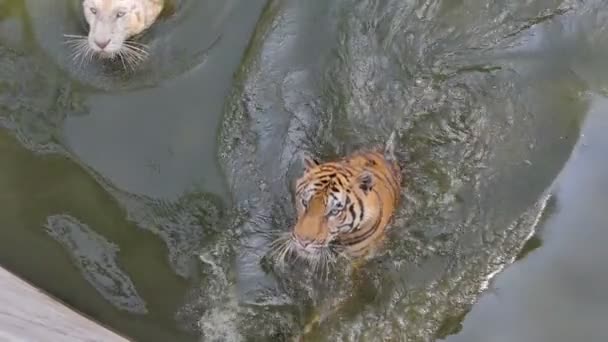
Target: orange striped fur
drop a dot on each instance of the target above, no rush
(347, 204)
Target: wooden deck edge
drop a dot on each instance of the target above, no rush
(29, 314)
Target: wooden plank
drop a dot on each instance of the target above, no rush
(28, 314)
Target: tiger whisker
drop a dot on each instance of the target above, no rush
(130, 54)
(326, 266)
(277, 242)
(84, 55)
(323, 264)
(79, 45)
(135, 43)
(136, 52)
(283, 253)
(74, 36)
(135, 56)
(281, 239)
(125, 59)
(131, 59)
(70, 38)
(89, 55)
(280, 249)
(141, 48)
(121, 56)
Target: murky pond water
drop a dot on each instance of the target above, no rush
(148, 199)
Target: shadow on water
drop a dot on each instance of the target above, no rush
(114, 187)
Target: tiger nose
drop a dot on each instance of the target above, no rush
(102, 44)
(304, 242)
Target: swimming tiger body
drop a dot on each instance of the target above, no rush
(346, 204)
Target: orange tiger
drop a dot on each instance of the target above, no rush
(346, 205)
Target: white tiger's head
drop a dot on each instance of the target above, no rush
(113, 22)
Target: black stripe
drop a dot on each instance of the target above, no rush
(349, 225)
(331, 194)
(391, 182)
(362, 213)
(347, 171)
(351, 209)
(364, 236)
(301, 185)
(319, 179)
(367, 234)
(339, 181)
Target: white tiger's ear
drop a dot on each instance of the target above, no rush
(308, 162)
(366, 181)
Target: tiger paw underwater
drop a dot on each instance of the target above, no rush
(344, 207)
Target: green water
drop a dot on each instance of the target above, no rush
(148, 199)
(557, 292)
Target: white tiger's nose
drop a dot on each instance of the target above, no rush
(102, 43)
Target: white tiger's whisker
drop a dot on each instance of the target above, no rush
(130, 54)
(79, 46)
(74, 36)
(141, 49)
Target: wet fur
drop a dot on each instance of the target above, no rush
(115, 22)
(344, 206)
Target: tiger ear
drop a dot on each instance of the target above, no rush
(366, 181)
(309, 162)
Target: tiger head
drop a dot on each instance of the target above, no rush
(112, 22)
(344, 205)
